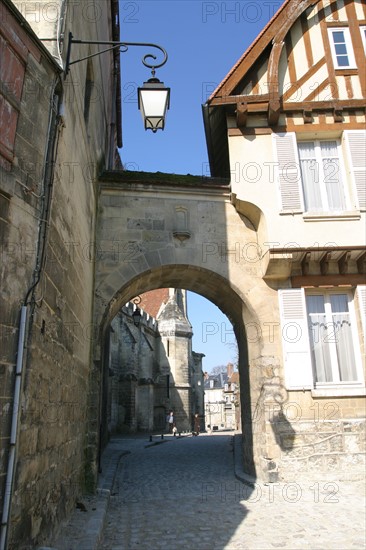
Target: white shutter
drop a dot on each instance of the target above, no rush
(361, 296)
(295, 339)
(356, 140)
(288, 171)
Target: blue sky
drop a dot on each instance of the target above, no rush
(203, 40)
(212, 332)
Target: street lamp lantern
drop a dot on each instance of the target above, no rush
(153, 96)
(136, 316)
(153, 102)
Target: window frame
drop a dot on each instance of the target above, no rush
(349, 48)
(322, 177)
(363, 36)
(336, 382)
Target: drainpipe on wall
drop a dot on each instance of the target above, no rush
(115, 133)
(112, 151)
(25, 318)
(14, 426)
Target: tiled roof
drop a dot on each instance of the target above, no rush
(219, 380)
(234, 378)
(152, 300)
(264, 35)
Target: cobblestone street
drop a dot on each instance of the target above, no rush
(183, 493)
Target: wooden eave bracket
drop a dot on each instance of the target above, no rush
(305, 264)
(241, 114)
(343, 263)
(273, 111)
(307, 116)
(361, 264)
(338, 115)
(304, 269)
(324, 263)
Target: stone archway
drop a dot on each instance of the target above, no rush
(217, 290)
(140, 247)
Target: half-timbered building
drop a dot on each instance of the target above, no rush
(287, 125)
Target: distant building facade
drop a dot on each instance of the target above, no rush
(153, 369)
(221, 400)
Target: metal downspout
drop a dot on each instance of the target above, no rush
(14, 426)
(113, 123)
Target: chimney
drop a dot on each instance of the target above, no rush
(230, 370)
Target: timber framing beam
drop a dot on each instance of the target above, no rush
(274, 33)
(310, 281)
(292, 106)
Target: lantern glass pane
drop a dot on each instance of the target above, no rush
(153, 102)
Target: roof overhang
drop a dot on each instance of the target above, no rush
(226, 99)
(317, 266)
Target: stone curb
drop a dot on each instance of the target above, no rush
(238, 463)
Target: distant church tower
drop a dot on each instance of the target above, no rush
(153, 366)
(176, 354)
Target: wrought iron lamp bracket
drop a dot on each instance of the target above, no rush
(123, 46)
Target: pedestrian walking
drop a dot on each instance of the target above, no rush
(196, 426)
(170, 420)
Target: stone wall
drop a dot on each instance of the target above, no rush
(220, 261)
(315, 438)
(48, 212)
(133, 372)
(28, 91)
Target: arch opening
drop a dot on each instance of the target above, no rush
(229, 300)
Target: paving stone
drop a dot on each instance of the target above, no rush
(189, 494)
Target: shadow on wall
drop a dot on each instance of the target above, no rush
(283, 431)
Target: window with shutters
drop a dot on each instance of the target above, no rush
(333, 338)
(356, 145)
(361, 297)
(321, 176)
(288, 172)
(321, 339)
